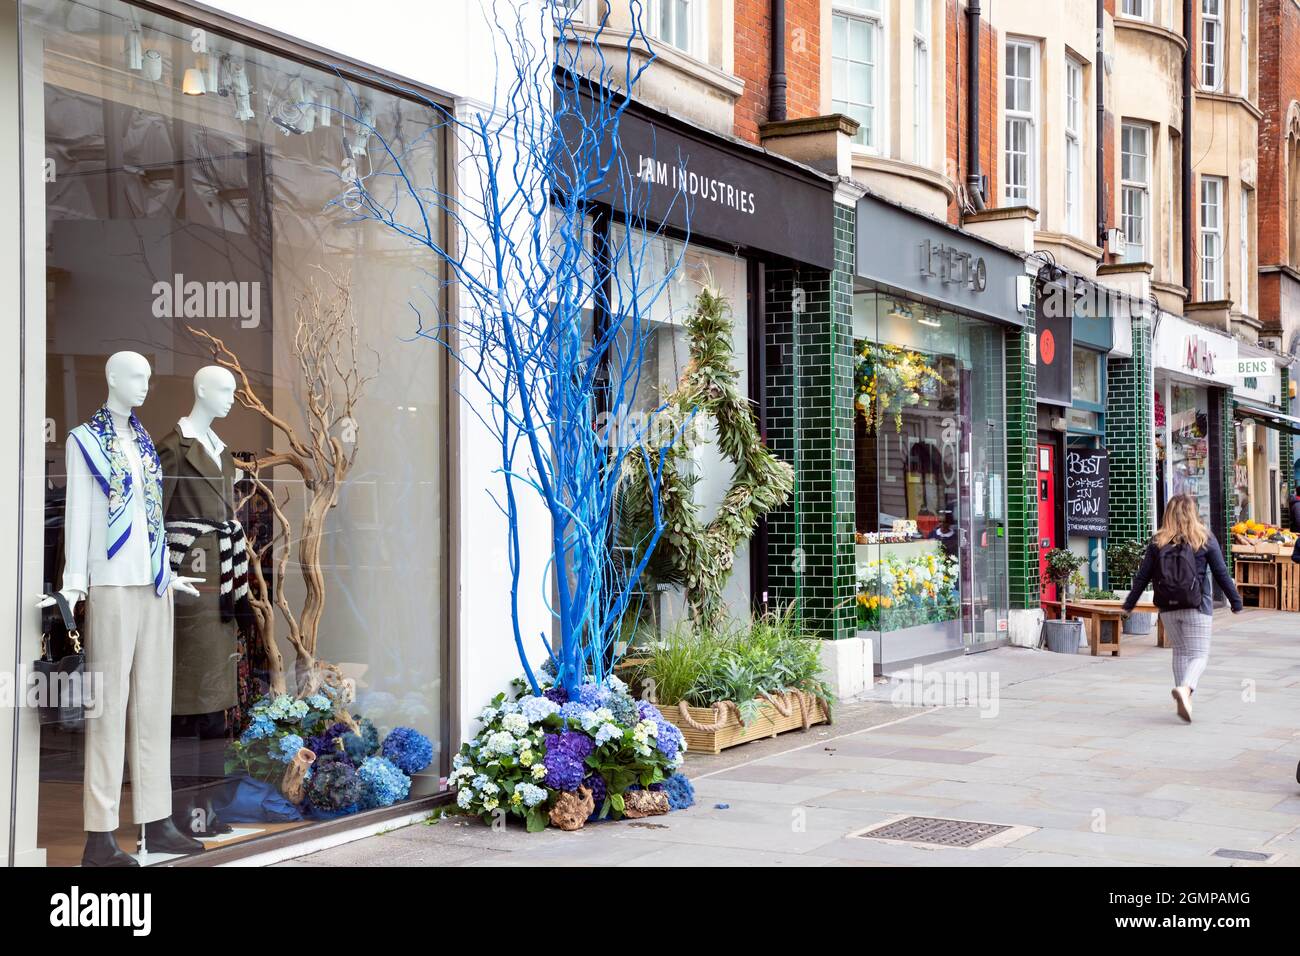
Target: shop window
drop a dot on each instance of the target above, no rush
(1087, 376)
(199, 193)
(1020, 155)
(857, 58)
(1188, 444)
(672, 274)
(929, 424)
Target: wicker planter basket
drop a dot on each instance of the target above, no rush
(713, 729)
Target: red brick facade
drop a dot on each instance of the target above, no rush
(957, 87)
(753, 62)
(1279, 87)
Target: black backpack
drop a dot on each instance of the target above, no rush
(1177, 582)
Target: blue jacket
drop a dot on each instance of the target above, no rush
(1209, 560)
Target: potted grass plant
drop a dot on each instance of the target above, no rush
(741, 680)
(1063, 636)
(1122, 562)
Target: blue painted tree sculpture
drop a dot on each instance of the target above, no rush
(554, 302)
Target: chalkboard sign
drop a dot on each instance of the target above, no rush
(1087, 492)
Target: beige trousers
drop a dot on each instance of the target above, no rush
(129, 644)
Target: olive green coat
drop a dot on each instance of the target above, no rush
(205, 675)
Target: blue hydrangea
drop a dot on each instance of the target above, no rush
(593, 695)
(360, 746)
(537, 709)
(530, 794)
(319, 702)
(382, 784)
(408, 749)
(260, 728)
(574, 711)
(680, 792)
(287, 747)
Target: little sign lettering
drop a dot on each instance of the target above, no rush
(1198, 356)
(951, 265)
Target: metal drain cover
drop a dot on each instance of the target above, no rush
(1250, 855)
(935, 831)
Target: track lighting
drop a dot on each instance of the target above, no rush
(134, 49)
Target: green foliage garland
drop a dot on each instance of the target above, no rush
(696, 556)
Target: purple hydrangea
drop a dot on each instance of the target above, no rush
(596, 783)
(565, 753)
(557, 694)
(408, 749)
(593, 695)
(324, 744)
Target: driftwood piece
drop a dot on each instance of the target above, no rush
(644, 803)
(326, 346)
(293, 784)
(572, 808)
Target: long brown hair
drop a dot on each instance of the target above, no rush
(1182, 524)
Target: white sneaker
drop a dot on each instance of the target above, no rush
(1184, 702)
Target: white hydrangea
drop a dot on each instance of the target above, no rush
(515, 723)
(464, 799)
(607, 733)
(501, 742)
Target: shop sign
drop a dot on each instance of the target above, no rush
(1087, 492)
(715, 190)
(1254, 366)
(913, 255)
(1054, 358)
(1195, 351)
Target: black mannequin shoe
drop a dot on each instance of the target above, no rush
(200, 820)
(161, 836)
(102, 850)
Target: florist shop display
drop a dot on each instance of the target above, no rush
(325, 762)
(896, 591)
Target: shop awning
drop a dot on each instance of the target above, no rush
(1266, 416)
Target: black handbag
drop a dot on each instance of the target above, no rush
(61, 694)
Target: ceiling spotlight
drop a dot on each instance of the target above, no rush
(192, 84)
(134, 49)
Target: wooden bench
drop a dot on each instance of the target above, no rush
(1096, 615)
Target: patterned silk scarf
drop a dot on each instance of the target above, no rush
(108, 462)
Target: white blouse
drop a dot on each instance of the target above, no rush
(85, 531)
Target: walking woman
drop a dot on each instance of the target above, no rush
(1179, 563)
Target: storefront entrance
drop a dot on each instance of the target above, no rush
(930, 479)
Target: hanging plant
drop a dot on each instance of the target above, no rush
(696, 556)
(890, 379)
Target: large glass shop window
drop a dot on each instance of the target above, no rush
(1189, 444)
(666, 356)
(929, 425)
(190, 218)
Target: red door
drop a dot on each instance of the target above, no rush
(1046, 516)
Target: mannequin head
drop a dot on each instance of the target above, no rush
(214, 392)
(128, 380)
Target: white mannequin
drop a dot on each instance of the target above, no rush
(128, 386)
(214, 396)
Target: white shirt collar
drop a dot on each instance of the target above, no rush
(214, 445)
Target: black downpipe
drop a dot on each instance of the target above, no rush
(1099, 65)
(974, 178)
(1189, 231)
(776, 104)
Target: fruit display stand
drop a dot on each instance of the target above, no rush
(1262, 566)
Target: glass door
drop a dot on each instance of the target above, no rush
(983, 483)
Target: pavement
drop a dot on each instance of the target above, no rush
(1083, 758)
